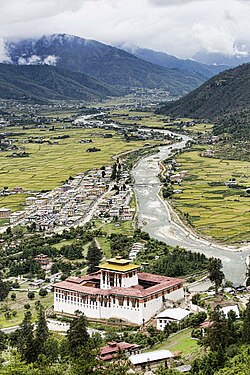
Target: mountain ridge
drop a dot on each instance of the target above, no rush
(224, 99)
(104, 62)
(44, 82)
(203, 71)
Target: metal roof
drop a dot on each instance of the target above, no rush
(156, 355)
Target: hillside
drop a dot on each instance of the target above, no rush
(199, 70)
(224, 99)
(110, 64)
(43, 82)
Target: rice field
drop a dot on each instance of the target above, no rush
(49, 165)
(208, 204)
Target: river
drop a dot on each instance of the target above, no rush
(154, 217)
(154, 214)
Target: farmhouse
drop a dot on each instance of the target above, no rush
(113, 348)
(118, 290)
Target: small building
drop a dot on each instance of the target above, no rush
(17, 189)
(150, 361)
(44, 261)
(36, 283)
(171, 315)
(4, 213)
(233, 308)
(112, 348)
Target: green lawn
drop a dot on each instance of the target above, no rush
(123, 227)
(180, 341)
(216, 211)
(18, 306)
(105, 246)
(59, 245)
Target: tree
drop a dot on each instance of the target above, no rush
(94, 256)
(218, 336)
(4, 289)
(3, 341)
(216, 275)
(246, 324)
(42, 332)
(77, 335)
(13, 296)
(43, 292)
(51, 349)
(25, 339)
(31, 295)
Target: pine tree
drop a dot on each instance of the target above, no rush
(246, 325)
(42, 332)
(216, 275)
(94, 256)
(25, 340)
(77, 335)
(218, 336)
(4, 289)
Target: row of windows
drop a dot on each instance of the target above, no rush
(94, 306)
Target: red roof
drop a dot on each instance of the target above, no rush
(107, 352)
(161, 283)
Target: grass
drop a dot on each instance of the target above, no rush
(204, 128)
(148, 119)
(105, 246)
(123, 227)
(180, 341)
(14, 202)
(18, 306)
(49, 166)
(216, 211)
(59, 245)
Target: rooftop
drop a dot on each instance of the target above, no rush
(156, 355)
(176, 314)
(148, 284)
(119, 264)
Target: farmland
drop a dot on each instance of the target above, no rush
(207, 203)
(49, 165)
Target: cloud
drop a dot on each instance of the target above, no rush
(50, 60)
(179, 27)
(37, 60)
(3, 52)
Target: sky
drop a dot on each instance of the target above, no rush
(178, 27)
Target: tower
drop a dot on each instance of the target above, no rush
(118, 273)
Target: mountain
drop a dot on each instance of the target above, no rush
(44, 82)
(224, 99)
(110, 64)
(199, 70)
(238, 58)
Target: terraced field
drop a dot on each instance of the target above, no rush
(208, 204)
(49, 165)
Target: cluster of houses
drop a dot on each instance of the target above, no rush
(64, 205)
(115, 204)
(71, 203)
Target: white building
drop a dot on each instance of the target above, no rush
(171, 315)
(118, 291)
(233, 308)
(150, 360)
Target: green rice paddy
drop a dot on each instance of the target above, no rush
(49, 165)
(217, 211)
